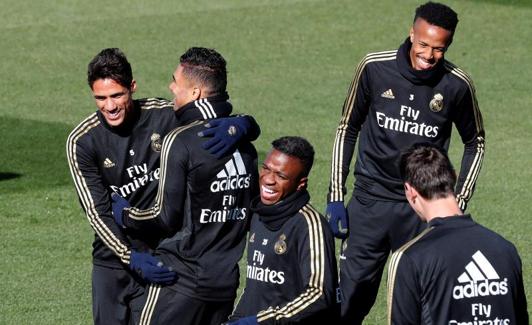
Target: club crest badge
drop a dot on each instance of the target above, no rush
(436, 104)
(156, 143)
(280, 245)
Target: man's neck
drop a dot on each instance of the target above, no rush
(441, 208)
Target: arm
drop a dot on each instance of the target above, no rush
(404, 293)
(94, 196)
(227, 132)
(354, 112)
(468, 121)
(318, 270)
(166, 214)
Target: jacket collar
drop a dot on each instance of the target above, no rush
(205, 109)
(274, 216)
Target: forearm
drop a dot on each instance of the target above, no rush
(472, 159)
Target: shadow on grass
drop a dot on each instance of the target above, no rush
(7, 176)
(32, 155)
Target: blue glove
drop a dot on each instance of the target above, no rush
(337, 214)
(151, 269)
(250, 320)
(225, 133)
(118, 205)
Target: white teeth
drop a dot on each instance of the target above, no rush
(268, 191)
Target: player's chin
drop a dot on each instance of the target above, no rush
(114, 121)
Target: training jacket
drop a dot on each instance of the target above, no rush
(291, 265)
(393, 106)
(202, 205)
(125, 160)
(456, 272)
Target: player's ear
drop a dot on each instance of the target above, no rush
(302, 184)
(412, 34)
(133, 86)
(196, 93)
(410, 193)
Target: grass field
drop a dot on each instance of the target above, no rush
(290, 63)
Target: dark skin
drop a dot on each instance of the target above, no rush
(280, 176)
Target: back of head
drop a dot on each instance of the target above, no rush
(110, 63)
(438, 14)
(428, 169)
(207, 67)
(297, 147)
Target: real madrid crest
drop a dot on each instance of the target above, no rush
(280, 245)
(156, 143)
(436, 104)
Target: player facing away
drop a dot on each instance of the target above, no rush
(117, 150)
(396, 99)
(291, 267)
(456, 271)
(202, 204)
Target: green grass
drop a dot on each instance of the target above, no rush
(290, 63)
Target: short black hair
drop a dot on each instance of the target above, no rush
(110, 63)
(207, 67)
(427, 168)
(438, 14)
(296, 147)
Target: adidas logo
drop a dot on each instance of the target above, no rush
(233, 176)
(107, 163)
(479, 279)
(388, 94)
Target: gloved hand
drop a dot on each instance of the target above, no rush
(150, 268)
(226, 133)
(250, 320)
(118, 204)
(337, 214)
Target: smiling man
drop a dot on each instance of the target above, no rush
(117, 150)
(291, 267)
(396, 99)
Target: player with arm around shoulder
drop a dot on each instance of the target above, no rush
(117, 150)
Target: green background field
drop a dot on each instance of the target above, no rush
(290, 63)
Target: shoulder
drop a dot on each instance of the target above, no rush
(84, 129)
(313, 221)
(458, 76)
(154, 103)
(377, 58)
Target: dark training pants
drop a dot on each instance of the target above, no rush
(116, 296)
(375, 228)
(167, 306)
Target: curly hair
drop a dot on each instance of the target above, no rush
(297, 147)
(438, 14)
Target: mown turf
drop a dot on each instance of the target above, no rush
(290, 63)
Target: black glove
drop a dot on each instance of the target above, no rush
(151, 269)
(226, 133)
